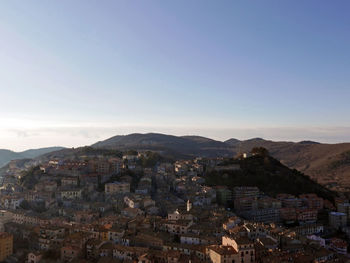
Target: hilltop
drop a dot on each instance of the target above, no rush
(168, 144)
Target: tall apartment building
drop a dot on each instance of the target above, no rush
(312, 201)
(117, 188)
(223, 195)
(344, 208)
(266, 215)
(5, 217)
(337, 219)
(292, 202)
(6, 245)
(245, 204)
(115, 165)
(306, 215)
(103, 167)
(245, 191)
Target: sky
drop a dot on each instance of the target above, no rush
(76, 72)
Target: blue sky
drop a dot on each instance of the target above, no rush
(74, 72)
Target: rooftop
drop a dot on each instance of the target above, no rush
(224, 250)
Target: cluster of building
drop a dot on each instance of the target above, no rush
(110, 209)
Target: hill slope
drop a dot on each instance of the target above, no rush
(323, 162)
(271, 176)
(183, 146)
(7, 155)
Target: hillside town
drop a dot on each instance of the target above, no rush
(132, 208)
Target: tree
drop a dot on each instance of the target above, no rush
(31, 177)
(25, 205)
(150, 159)
(260, 151)
(131, 152)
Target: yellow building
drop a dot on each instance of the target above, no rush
(6, 245)
(104, 234)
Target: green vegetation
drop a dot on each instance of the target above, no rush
(25, 205)
(87, 150)
(229, 161)
(31, 177)
(261, 151)
(270, 176)
(150, 159)
(51, 255)
(131, 152)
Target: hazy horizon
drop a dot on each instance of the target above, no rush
(76, 72)
(85, 138)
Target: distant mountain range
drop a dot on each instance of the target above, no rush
(323, 162)
(7, 155)
(326, 163)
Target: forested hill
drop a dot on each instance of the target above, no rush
(270, 176)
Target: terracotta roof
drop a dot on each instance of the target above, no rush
(223, 250)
